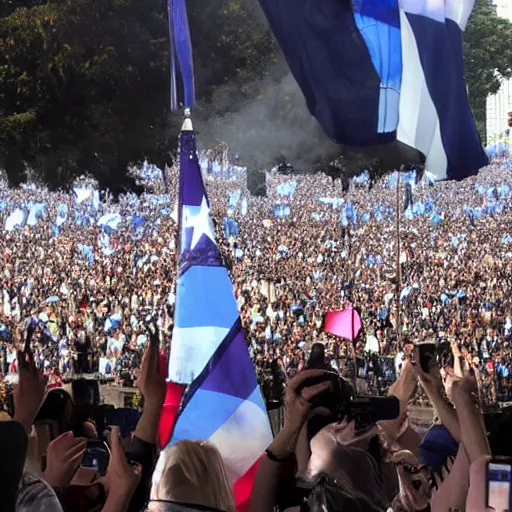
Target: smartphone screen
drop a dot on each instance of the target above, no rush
(96, 457)
(498, 486)
(90, 462)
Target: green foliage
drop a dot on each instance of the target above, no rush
(84, 84)
(487, 56)
(83, 87)
(231, 43)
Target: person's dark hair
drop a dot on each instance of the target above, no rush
(57, 406)
(328, 495)
(317, 356)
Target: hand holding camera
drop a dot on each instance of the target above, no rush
(302, 394)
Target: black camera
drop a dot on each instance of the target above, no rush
(341, 400)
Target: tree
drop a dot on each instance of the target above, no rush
(232, 45)
(487, 57)
(84, 86)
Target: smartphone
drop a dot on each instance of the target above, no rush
(52, 427)
(426, 351)
(499, 473)
(96, 456)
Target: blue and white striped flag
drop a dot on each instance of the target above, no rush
(377, 71)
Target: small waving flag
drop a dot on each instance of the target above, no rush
(345, 324)
(222, 401)
(16, 218)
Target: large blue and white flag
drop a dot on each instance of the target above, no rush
(376, 71)
(82, 194)
(96, 199)
(110, 221)
(87, 251)
(244, 206)
(35, 212)
(104, 244)
(222, 402)
(364, 177)
(234, 197)
(282, 211)
(435, 116)
(62, 214)
(16, 218)
(406, 291)
(286, 189)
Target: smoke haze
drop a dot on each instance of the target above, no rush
(274, 126)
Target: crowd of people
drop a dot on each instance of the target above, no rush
(87, 287)
(90, 272)
(64, 451)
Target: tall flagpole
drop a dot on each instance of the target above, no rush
(398, 265)
(185, 127)
(355, 352)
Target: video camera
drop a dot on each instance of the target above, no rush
(340, 398)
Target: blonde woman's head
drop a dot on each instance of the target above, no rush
(192, 472)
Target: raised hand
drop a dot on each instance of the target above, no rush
(452, 484)
(30, 392)
(122, 478)
(297, 399)
(428, 379)
(465, 388)
(449, 378)
(150, 382)
(63, 459)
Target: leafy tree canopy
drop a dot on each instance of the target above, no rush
(84, 84)
(81, 88)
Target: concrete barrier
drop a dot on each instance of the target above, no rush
(116, 396)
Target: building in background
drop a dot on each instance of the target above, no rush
(504, 8)
(500, 104)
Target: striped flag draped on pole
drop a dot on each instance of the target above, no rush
(435, 116)
(222, 401)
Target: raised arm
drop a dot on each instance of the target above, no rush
(282, 449)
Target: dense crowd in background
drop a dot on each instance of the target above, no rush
(92, 271)
(92, 279)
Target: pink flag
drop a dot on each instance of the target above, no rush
(346, 323)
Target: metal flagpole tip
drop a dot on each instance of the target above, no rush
(187, 125)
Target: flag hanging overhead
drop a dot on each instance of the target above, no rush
(375, 71)
(222, 402)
